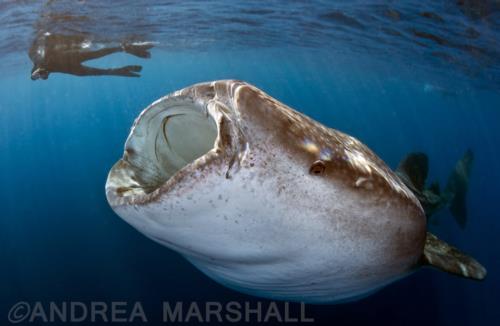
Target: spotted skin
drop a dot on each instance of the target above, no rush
(254, 214)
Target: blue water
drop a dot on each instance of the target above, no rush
(60, 241)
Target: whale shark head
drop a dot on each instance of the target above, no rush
(213, 127)
(264, 199)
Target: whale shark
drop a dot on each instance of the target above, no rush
(269, 202)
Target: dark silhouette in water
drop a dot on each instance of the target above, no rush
(478, 9)
(413, 170)
(66, 54)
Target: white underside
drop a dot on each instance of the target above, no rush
(242, 234)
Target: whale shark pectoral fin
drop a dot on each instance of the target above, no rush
(445, 257)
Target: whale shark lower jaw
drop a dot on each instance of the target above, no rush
(263, 199)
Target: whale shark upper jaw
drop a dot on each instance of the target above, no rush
(175, 137)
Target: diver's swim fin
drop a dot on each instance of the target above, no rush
(457, 186)
(441, 255)
(414, 168)
(139, 50)
(128, 71)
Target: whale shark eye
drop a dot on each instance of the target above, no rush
(317, 168)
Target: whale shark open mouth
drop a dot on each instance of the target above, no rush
(168, 135)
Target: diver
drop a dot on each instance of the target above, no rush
(66, 54)
(413, 171)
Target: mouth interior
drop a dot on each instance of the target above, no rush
(165, 139)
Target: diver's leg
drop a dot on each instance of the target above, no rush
(90, 55)
(127, 71)
(138, 50)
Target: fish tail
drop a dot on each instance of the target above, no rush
(455, 192)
